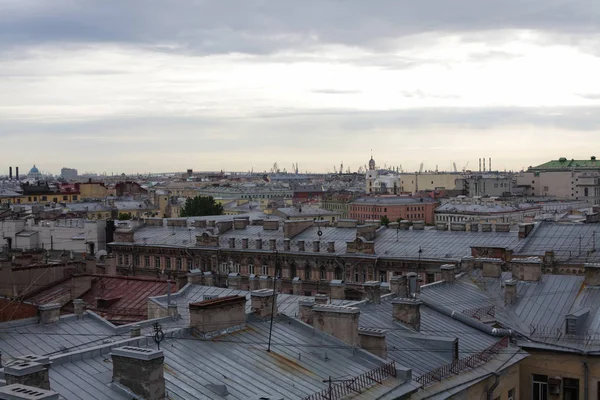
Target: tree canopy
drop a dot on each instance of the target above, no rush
(385, 220)
(200, 206)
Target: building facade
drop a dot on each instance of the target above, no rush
(394, 208)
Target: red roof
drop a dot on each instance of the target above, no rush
(11, 310)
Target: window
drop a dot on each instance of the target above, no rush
(540, 387)
(44, 198)
(511, 394)
(223, 268)
(250, 269)
(65, 198)
(264, 270)
(236, 268)
(571, 326)
(570, 389)
(120, 260)
(190, 264)
(179, 264)
(338, 273)
(586, 192)
(146, 261)
(157, 262)
(382, 276)
(323, 273)
(168, 263)
(137, 261)
(126, 258)
(307, 273)
(74, 198)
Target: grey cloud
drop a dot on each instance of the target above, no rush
(254, 26)
(591, 96)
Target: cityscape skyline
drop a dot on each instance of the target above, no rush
(427, 82)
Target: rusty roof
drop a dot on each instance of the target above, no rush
(218, 302)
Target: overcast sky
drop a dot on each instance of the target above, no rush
(154, 85)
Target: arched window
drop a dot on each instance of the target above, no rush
(307, 272)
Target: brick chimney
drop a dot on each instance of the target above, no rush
(262, 302)
(24, 392)
(525, 229)
(305, 310)
(28, 372)
(492, 268)
(527, 269)
(373, 291)
(207, 279)
(408, 311)
(448, 273)
(135, 331)
(78, 308)
(271, 224)
(398, 285)
(373, 341)
(217, 315)
(49, 313)
(140, 370)
(338, 321)
(337, 289)
(510, 291)
(321, 298)
(240, 223)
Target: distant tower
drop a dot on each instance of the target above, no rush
(371, 175)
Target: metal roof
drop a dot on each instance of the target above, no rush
(287, 304)
(298, 363)
(418, 349)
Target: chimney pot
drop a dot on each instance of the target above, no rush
(373, 291)
(305, 310)
(398, 285)
(217, 315)
(25, 392)
(321, 298)
(373, 341)
(337, 289)
(29, 373)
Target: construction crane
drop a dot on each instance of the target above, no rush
(455, 170)
(465, 167)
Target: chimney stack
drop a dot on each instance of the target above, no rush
(337, 289)
(49, 313)
(483, 164)
(490, 165)
(29, 372)
(78, 308)
(264, 302)
(297, 286)
(528, 269)
(480, 165)
(234, 281)
(136, 331)
(413, 283)
(140, 370)
(373, 291)
(17, 173)
(321, 298)
(10, 173)
(510, 291)
(408, 311)
(211, 317)
(373, 341)
(24, 392)
(305, 310)
(448, 272)
(338, 321)
(398, 285)
(492, 268)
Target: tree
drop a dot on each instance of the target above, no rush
(385, 220)
(124, 217)
(199, 206)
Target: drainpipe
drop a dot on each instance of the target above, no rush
(490, 391)
(586, 373)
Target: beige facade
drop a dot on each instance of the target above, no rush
(92, 190)
(568, 185)
(428, 181)
(565, 374)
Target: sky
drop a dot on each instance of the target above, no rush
(158, 86)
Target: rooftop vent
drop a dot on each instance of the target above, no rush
(22, 392)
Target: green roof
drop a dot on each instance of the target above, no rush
(564, 164)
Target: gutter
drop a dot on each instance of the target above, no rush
(468, 321)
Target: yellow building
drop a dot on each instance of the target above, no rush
(428, 181)
(92, 190)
